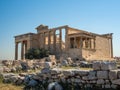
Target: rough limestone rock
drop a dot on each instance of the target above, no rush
(92, 75)
(77, 80)
(32, 83)
(6, 80)
(24, 66)
(113, 74)
(68, 73)
(55, 71)
(64, 63)
(47, 65)
(13, 79)
(113, 86)
(116, 82)
(70, 61)
(8, 75)
(6, 69)
(27, 79)
(118, 73)
(93, 82)
(107, 81)
(100, 81)
(58, 87)
(108, 66)
(82, 72)
(13, 69)
(102, 74)
(54, 85)
(45, 70)
(96, 65)
(107, 86)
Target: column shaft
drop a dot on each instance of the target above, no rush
(16, 51)
(49, 40)
(60, 39)
(81, 42)
(75, 42)
(111, 48)
(54, 41)
(22, 50)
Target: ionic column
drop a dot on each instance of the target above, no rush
(94, 42)
(111, 48)
(44, 40)
(66, 38)
(25, 47)
(16, 51)
(81, 42)
(49, 40)
(22, 50)
(54, 42)
(60, 39)
(90, 43)
(75, 42)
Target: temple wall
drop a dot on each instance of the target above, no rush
(75, 53)
(102, 47)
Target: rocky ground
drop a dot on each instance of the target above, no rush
(66, 75)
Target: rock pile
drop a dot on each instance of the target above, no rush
(103, 75)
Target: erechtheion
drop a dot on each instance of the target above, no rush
(66, 41)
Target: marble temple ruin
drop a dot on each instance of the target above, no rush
(67, 41)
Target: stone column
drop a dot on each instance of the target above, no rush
(111, 48)
(75, 46)
(49, 40)
(25, 47)
(22, 50)
(16, 51)
(54, 40)
(94, 43)
(60, 39)
(66, 38)
(90, 43)
(84, 43)
(44, 40)
(81, 42)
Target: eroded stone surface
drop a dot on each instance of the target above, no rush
(113, 74)
(102, 74)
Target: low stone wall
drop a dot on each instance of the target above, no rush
(18, 65)
(103, 75)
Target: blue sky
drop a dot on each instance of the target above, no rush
(23, 16)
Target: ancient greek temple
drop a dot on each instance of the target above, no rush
(66, 41)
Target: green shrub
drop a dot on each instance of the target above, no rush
(36, 53)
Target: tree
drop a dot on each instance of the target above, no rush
(36, 53)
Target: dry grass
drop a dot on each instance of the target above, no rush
(10, 87)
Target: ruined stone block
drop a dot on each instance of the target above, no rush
(107, 86)
(102, 74)
(82, 72)
(118, 74)
(96, 65)
(108, 65)
(47, 65)
(55, 71)
(116, 82)
(68, 73)
(113, 74)
(113, 86)
(100, 81)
